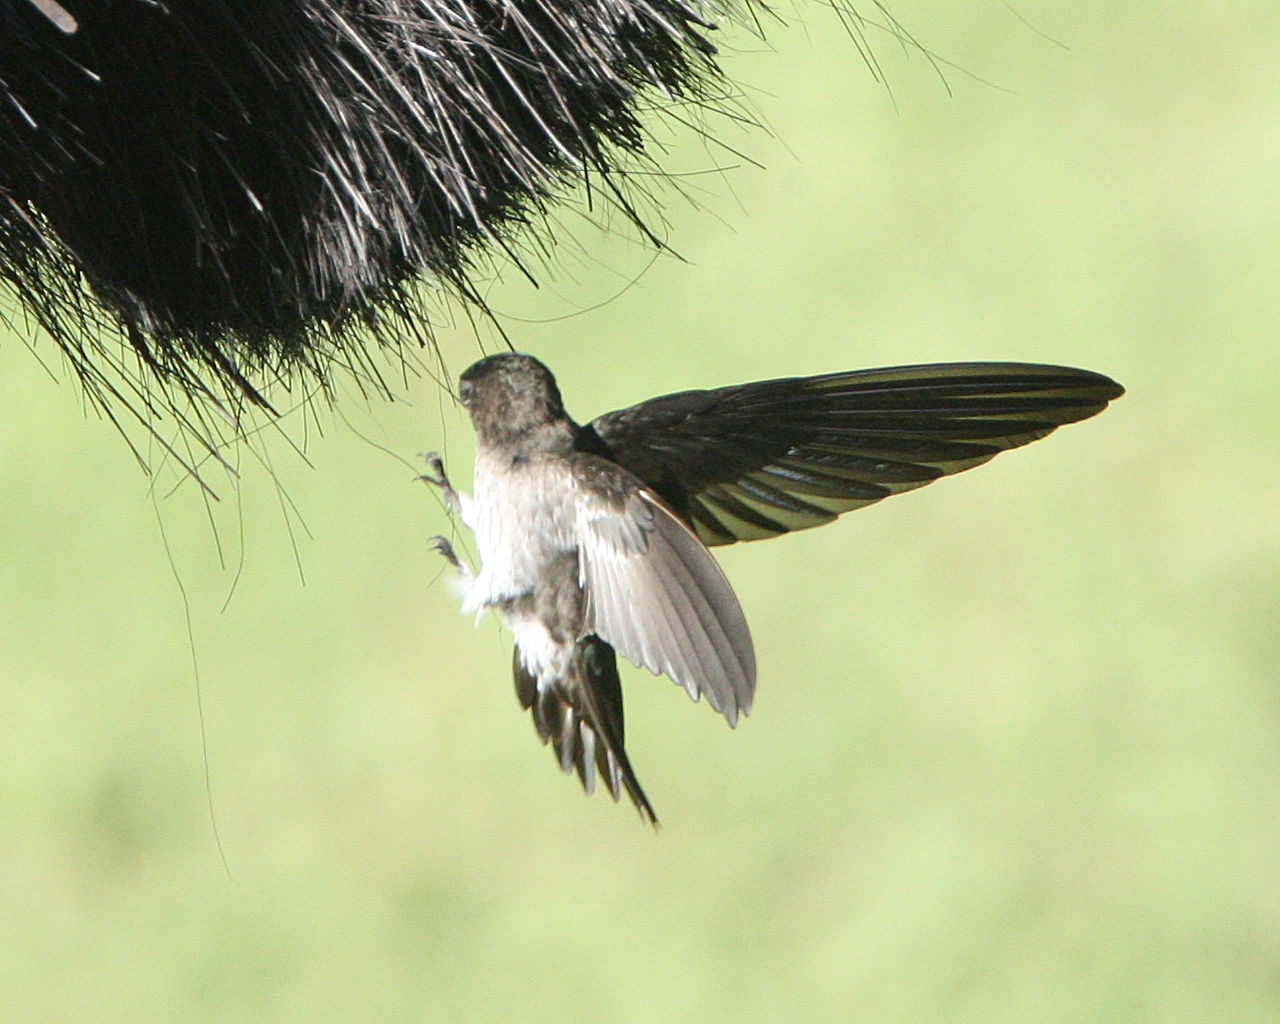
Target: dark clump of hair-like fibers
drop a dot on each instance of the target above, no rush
(243, 189)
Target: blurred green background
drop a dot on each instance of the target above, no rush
(1016, 749)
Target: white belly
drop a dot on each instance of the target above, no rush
(522, 518)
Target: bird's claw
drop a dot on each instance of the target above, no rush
(443, 545)
(435, 470)
(436, 476)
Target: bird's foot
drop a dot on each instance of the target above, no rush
(443, 545)
(435, 469)
(436, 476)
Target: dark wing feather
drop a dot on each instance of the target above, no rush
(757, 460)
(581, 716)
(654, 592)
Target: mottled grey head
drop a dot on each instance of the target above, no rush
(514, 401)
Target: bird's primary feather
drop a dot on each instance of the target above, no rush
(756, 460)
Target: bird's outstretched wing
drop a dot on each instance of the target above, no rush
(654, 592)
(757, 460)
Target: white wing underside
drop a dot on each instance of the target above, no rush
(654, 592)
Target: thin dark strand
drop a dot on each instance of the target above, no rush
(1038, 31)
(626, 287)
(288, 513)
(372, 443)
(241, 554)
(195, 675)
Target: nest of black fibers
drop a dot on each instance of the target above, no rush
(246, 191)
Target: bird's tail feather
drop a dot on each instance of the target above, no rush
(582, 717)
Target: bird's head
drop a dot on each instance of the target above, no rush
(513, 399)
